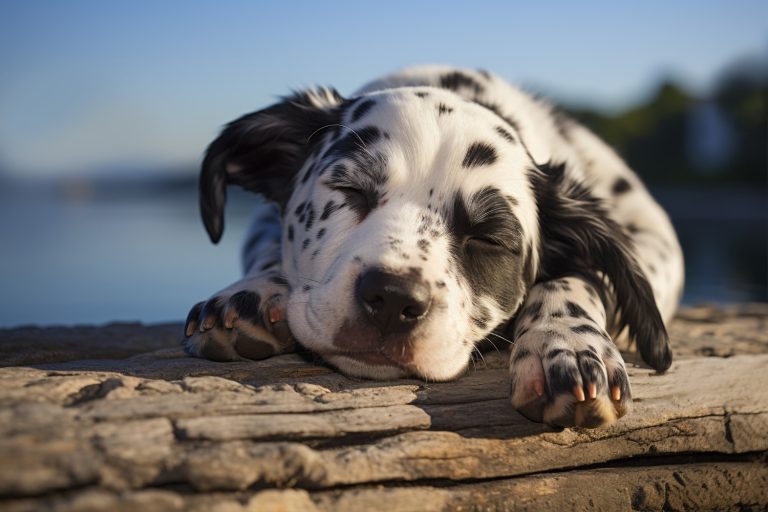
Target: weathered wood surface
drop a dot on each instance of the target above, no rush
(118, 418)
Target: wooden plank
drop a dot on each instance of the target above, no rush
(699, 406)
(86, 431)
(695, 486)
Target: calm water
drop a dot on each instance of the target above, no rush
(83, 257)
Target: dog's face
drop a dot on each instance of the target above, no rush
(408, 223)
(407, 233)
(414, 222)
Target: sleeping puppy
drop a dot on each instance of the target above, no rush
(435, 209)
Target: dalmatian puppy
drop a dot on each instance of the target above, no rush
(434, 209)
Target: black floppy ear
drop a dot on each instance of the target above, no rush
(578, 237)
(262, 151)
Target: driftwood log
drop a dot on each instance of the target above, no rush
(118, 418)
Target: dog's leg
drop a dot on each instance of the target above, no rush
(565, 368)
(247, 318)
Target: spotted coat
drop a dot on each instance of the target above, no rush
(430, 210)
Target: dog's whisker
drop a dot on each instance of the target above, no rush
(480, 354)
(501, 337)
(492, 344)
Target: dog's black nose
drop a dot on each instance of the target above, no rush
(393, 303)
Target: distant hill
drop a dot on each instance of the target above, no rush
(677, 138)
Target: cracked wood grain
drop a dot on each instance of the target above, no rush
(104, 430)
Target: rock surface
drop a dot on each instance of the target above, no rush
(118, 418)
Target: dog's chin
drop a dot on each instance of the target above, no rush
(358, 349)
(377, 366)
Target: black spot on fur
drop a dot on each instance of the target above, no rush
(562, 377)
(423, 245)
(329, 208)
(355, 142)
(306, 288)
(422, 94)
(458, 80)
(479, 154)
(621, 186)
(310, 218)
(290, 232)
(361, 109)
(505, 133)
(442, 109)
(575, 311)
(559, 351)
(307, 174)
(534, 310)
(529, 270)
(520, 354)
(268, 264)
(305, 244)
(299, 209)
(320, 233)
(586, 329)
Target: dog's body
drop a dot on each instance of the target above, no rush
(434, 209)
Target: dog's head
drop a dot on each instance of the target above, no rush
(411, 223)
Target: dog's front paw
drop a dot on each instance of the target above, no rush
(569, 377)
(245, 320)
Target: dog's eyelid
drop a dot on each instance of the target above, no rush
(484, 239)
(351, 190)
(345, 186)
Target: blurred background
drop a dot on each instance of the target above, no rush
(106, 108)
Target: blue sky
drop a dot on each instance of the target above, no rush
(90, 84)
